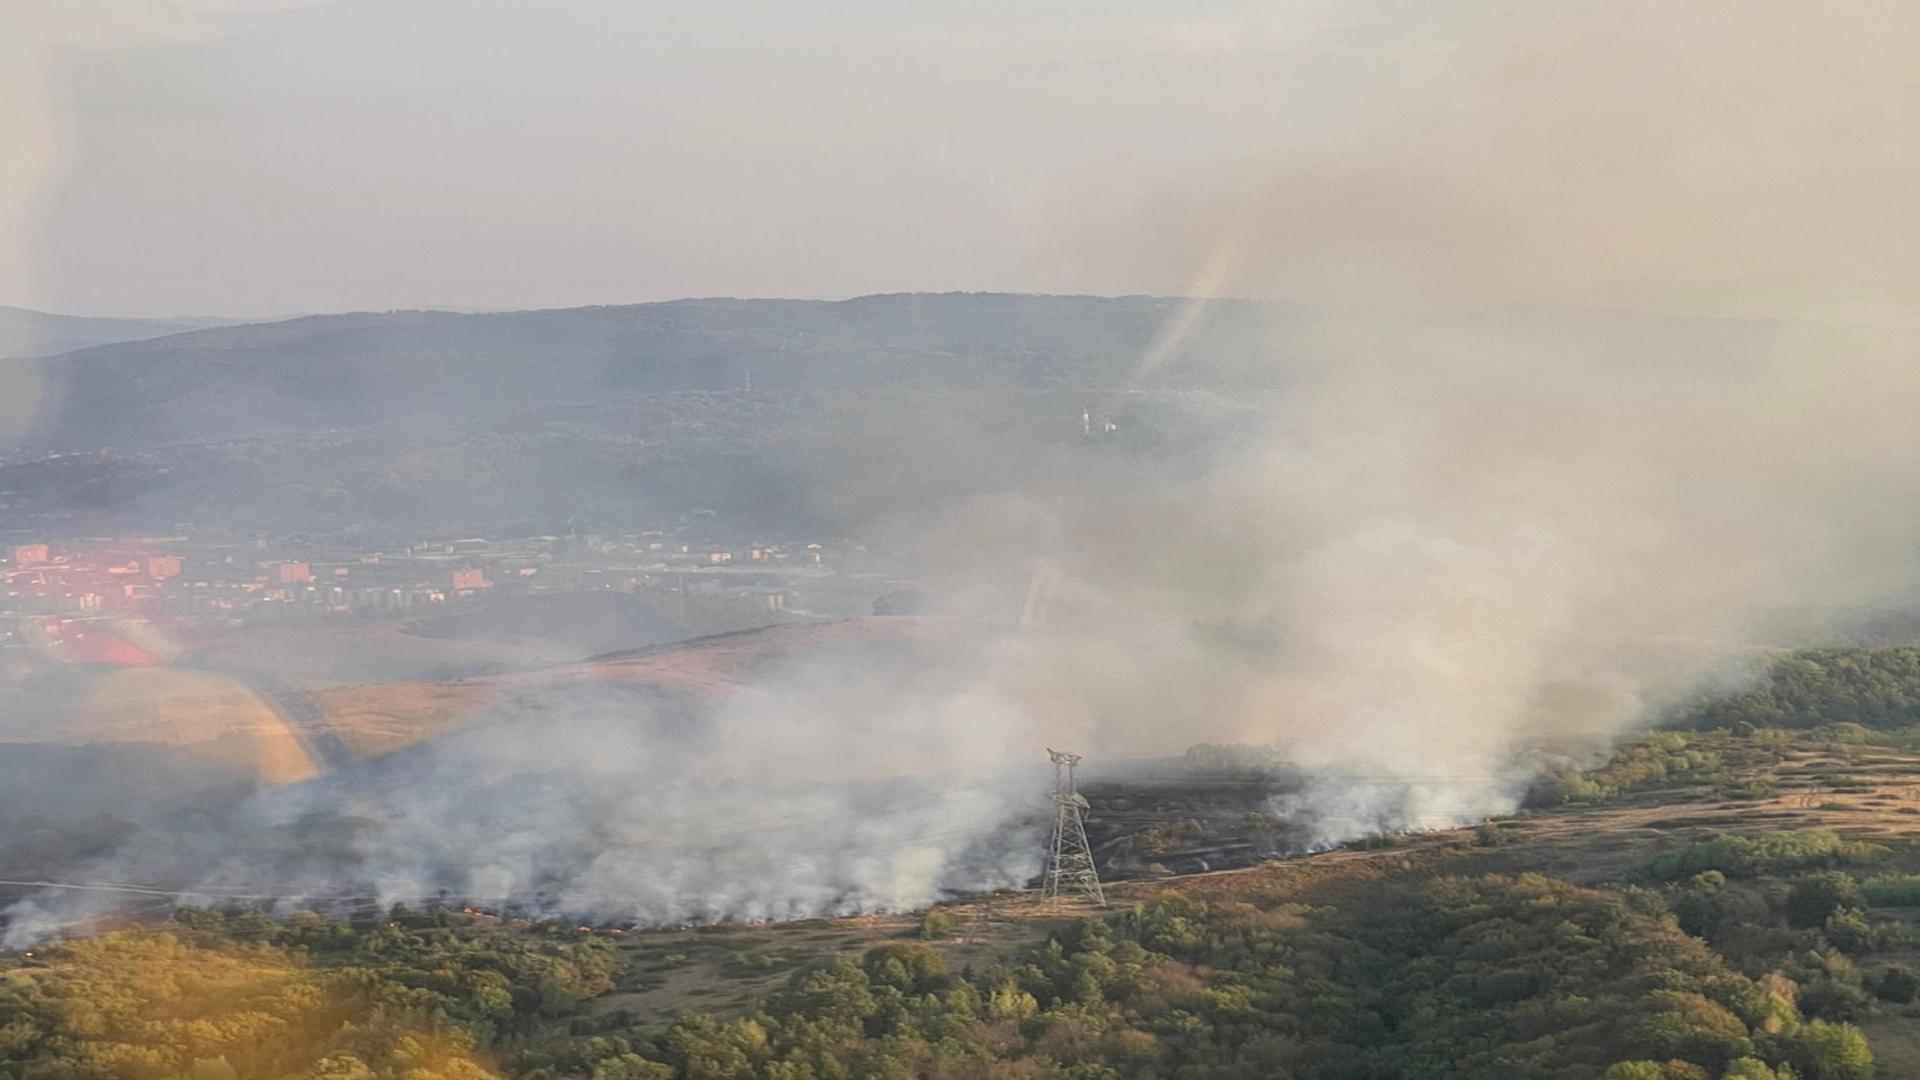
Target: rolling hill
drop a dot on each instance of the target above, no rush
(24, 332)
(806, 414)
(363, 370)
(404, 418)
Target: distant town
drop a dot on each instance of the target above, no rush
(78, 597)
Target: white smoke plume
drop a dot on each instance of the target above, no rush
(1449, 545)
(1420, 550)
(839, 789)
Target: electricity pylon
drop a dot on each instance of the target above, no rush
(1070, 865)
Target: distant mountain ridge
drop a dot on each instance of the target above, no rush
(27, 333)
(809, 415)
(356, 370)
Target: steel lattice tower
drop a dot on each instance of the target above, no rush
(1070, 865)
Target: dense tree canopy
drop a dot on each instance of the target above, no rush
(245, 998)
(1810, 688)
(1458, 977)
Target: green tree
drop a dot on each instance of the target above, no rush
(1816, 896)
(1823, 1051)
(1847, 928)
(1754, 1069)
(631, 1067)
(1896, 984)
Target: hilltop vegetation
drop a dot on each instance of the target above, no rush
(1485, 976)
(1876, 687)
(220, 999)
(1457, 977)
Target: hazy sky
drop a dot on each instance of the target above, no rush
(253, 157)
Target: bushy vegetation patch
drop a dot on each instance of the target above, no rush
(1787, 852)
(1892, 890)
(1654, 759)
(1458, 977)
(1872, 688)
(246, 998)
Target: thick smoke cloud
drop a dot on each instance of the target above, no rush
(1464, 541)
(826, 788)
(1430, 551)
(1451, 548)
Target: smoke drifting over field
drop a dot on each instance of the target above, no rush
(1429, 551)
(604, 818)
(1455, 546)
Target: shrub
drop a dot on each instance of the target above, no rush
(1758, 788)
(909, 968)
(1655, 1070)
(1824, 1051)
(1655, 759)
(1814, 897)
(1768, 853)
(631, 1067)
(1698, 913)
(1892, 890)
(1753, 1069)
(1896, 984)
(1831, 997)
(1848, 930)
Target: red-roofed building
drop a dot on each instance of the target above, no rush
(29, 554)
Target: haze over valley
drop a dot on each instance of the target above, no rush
(1311, 529)
(1329, 541)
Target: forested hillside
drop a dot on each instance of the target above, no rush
(1872, 687)
(1482, 977)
